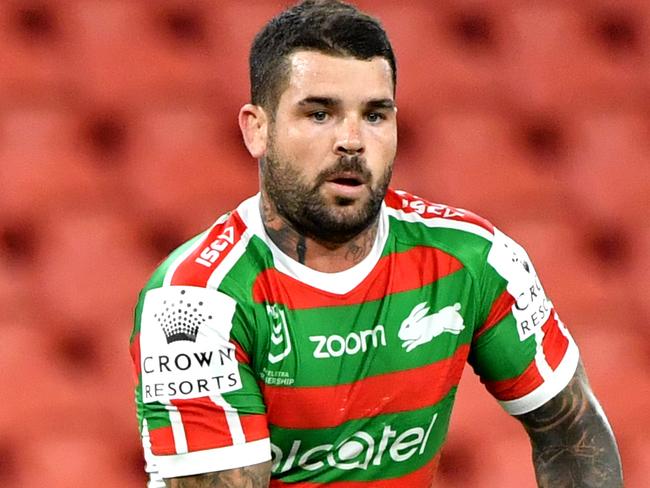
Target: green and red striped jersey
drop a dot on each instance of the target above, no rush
(347, 379)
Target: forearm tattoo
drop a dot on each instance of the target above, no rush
(573, 444)
(256, 476)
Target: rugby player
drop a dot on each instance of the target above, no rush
(316, 334)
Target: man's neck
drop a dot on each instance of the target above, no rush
(320, 256)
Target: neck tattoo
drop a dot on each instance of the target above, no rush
(301, 249)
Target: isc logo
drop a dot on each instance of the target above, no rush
(432, 209)
(211, 253)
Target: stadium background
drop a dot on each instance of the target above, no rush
(118, 141)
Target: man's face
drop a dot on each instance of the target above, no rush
(331, 144)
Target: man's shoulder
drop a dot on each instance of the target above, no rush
(407, 208)
(206, 259)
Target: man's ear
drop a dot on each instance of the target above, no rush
(254, 126)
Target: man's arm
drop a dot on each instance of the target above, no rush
(573, 444)
(256, 476)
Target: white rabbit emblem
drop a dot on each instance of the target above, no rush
(419, 328)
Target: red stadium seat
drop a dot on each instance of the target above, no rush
(556, 246)
(13, 285)
(33, 48)
(118, 141)
(29, 366)
(623, 386)
(238, 22)
(471, 160)
(637, 278)
(555, 59)
(453, 69)
(131, 52)
(62, 460)
(189, 166)
(92, 268)
(80, 413)
(42, 166)
(608, 172)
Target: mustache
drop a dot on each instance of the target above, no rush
(352, 164)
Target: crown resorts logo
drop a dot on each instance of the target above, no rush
(180, 318)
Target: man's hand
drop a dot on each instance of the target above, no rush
(573, 444)
(256, 476)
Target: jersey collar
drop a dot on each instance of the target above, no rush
(338, 283)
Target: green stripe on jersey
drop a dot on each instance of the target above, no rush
(468, 248)
(346, 341)
(489, 351)
(387, 446)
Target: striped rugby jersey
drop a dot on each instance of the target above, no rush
(347, 379)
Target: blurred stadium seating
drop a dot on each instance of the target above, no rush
(118, 141)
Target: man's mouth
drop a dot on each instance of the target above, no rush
(347, 179)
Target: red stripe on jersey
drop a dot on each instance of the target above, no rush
(197, 268)
(204, 423)
(408, 203)
(422, 477)
(501, 307)
(301, 407)
(135, 355)
(255, 427)
(162, 441)
(555, 343)
(397, 272)
(516, 387)
(240, 355)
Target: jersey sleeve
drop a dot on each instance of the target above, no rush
(522, 351)
(198, 400)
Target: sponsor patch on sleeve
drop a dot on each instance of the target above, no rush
(532, 308)
(185, 347)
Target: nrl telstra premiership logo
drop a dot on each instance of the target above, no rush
(280, 346)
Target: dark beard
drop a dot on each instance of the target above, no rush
(306, 210)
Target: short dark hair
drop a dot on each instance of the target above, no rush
(328, 26)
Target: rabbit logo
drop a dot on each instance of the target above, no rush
(419, 328)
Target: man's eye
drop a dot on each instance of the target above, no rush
(319, 116)
(374, 117)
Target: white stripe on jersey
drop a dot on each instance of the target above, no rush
(177, 262)
(414, 217)
(224, 267)
(543, 367)
(218, 459)
(215, 279)
(552, 385)
(232, 418)
(150, 467)
(180, 441)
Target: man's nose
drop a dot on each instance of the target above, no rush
(349, 141)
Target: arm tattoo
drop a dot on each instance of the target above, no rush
(573, 444)
(256, 476)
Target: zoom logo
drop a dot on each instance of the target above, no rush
(335, 345)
